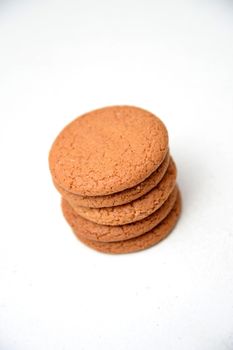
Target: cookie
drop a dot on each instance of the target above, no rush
(118, 198)
(141, 242)
(108, 150)
(136, 210)
(104, 233)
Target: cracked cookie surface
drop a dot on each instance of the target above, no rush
(106, 233)
(135, 210)
(144, 241)
(108, 150)
(118, 198)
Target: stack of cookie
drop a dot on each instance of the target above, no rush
(117, 179)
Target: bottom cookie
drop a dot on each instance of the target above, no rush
(141, 242)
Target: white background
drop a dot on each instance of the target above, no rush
(59, 59)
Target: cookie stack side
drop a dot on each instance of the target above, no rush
(113, 168)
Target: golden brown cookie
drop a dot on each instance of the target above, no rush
(141, 242)
(104, 233)
(108, 150)
(136, 210)
(118, 198)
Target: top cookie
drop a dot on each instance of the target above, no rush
(108, 150)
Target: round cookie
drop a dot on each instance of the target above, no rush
(104, 233)
(136, 210)
(118, 198)
(141, 242)
(108, 150)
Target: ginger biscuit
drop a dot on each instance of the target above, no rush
(135, 210)
(108, 150)
(141, 242)
(106, 233)
(118, 198)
